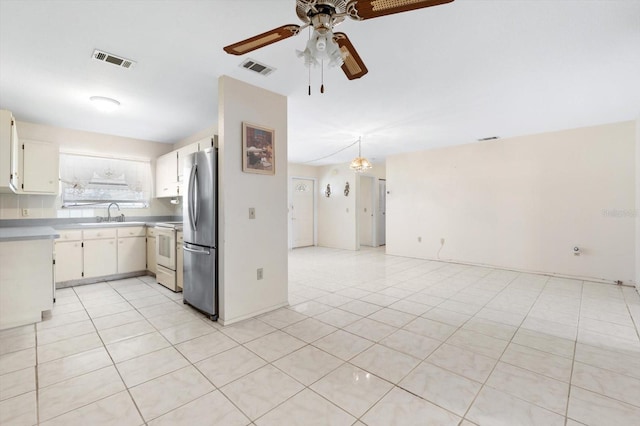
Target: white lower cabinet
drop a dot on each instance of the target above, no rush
(26, 282)
(99, 252)
(132, 254)
(68, 255)
(151, 250)
(68, 260)
(100, 257)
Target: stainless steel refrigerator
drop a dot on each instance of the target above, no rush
(200, 231)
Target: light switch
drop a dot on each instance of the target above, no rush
(252, 213)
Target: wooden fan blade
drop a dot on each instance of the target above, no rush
(262, 40)
(367, 9)
(353, 66)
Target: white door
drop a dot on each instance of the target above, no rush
(382, 213)
(302, 212)
(365, 211)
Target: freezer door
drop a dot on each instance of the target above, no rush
(200, 206)
(199, 277)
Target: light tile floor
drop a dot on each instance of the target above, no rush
(369, 339)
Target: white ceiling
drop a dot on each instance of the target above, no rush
(438, 76)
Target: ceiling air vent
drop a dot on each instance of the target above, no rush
(490, 138)
(256, 66)
(101, 56)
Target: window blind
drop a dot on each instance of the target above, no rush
(91, 180)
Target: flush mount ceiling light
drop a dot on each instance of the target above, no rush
(104, 104)
(360, 164)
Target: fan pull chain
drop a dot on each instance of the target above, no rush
(309, 79)
(322, 76)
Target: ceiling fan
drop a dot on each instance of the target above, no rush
(321, 16)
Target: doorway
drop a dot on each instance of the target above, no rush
(302, 212)
(365, 211)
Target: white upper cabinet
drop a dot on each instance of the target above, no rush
(167, 175)
(26, 166)
(8, 135)
(40, 168)
(170, 168)
(182, 154)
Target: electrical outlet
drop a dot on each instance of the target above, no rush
(252, 213)
(259, 273)
(419, 239)
(441, 241)
(25, 212)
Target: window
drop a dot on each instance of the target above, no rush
(97, 181)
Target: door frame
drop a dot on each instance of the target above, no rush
(378, 216)
(315, 209)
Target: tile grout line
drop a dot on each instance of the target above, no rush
(343, 362)
(573, 360)
(506, 347)
(462, 418)
(35, 330)
(135, 404)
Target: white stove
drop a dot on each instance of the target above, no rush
(166, 254)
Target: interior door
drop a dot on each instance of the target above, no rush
(365, 210)
(382, 213)
(302, 214)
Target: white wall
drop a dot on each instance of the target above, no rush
(521, 203)
(69, 140)
(337, 224)
(244, 244)
(637, 212)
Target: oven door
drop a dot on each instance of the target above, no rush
(166, 247)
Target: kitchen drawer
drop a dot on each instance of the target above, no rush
(94, 234)
(132, 231)
(151, 232)
(69, 235)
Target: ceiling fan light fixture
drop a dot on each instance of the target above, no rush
(321, 48)
(104, 104)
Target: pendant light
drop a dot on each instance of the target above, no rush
(360, 164)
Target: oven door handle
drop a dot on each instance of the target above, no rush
(190, 250)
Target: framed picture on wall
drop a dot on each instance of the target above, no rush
(258, 155)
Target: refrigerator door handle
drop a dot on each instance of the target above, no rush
(190, 250)
(191, 196)
(196, 196)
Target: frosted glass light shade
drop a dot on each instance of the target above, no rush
(104, 104)
(360, 164)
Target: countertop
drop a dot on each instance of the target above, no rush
(23, 233)
(92, 225)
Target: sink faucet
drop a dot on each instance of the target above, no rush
(109, 211)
